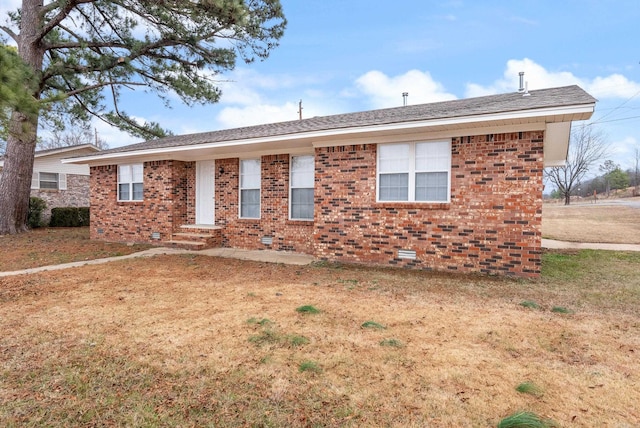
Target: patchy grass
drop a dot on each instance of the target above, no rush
(530, 388)
(529, 304)
(56, 245)
(200, 341)
(307, 309)
(374, 325)
(602, 222)
(525, 420)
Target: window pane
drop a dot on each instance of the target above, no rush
(48, 180)
(302, 171)
(302, 204)
(432, 156)
(137, 173)
(393, 158)
(250, 174)
(124, 174)
(394, 187)
(250, 204)
(137, 191)
(123, 193)
(431, 186)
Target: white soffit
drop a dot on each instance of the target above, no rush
(556, 143)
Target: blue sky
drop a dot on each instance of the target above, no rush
(341, 56)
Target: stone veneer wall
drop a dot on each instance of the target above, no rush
(492, 225)
(169, 190)
(76, 195)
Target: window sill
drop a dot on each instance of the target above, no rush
(414, 205)
(291, 222)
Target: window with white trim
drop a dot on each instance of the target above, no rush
(250, 188)
(301, 188)
(414, 172)
(130, 182)
(49, 180)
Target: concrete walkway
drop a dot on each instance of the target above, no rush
(281, 256)
(553, 244)
(233, 253)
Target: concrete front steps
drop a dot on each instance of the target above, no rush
(196, 237)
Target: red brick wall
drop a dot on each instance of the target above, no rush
(168, 190)
(492, 224)
(286, 235)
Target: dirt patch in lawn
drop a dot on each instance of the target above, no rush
(195, 341)
(49, 246)
(606, 222)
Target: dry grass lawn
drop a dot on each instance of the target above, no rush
(586, 222)
(200, 341)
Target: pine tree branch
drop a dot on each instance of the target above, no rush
(9, 32)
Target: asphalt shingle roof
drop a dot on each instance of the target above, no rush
(491, 104)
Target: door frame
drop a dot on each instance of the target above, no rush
(205, 192)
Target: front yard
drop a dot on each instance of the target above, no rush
(198, 341)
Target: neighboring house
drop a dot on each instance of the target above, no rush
(60, 185)
(454, 186)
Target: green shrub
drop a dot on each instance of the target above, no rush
(36, 206)
(70, 217)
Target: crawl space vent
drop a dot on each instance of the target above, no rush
(155, 235)
(407, 254)
(267, 240)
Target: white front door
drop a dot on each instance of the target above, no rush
(205, 192)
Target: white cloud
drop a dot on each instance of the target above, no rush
(234, 117)
(612, 86)
(113, 136)
(384, 91)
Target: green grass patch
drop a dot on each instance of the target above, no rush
(309, 366)
(561, 310)
(525, 420)
(394, 343)
(308, 309)
(262, 322)
(272, 337)
(529, 388)
(529, 304)
(373, 324)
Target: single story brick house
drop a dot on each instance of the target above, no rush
(453, 185)
(60, 185)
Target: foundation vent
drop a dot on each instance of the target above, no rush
(407, 254)
(267, 240)
(155, 235)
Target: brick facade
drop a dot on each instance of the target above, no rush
(491, 225)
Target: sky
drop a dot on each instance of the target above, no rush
(340, 56)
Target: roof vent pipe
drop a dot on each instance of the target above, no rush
(521, 88)
(405, 95)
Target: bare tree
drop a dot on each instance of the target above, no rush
(586, 148)
(73, 136)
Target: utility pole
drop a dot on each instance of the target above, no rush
(300, 110)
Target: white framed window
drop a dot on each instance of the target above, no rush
(48, 180)
(414, 172)
(250, 188)
(130, 182)
(301, 184)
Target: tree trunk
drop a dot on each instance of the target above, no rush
(567, 198)
(15, 180)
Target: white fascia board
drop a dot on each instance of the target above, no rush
(556, 143)
(302, 139)
(66, 149)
